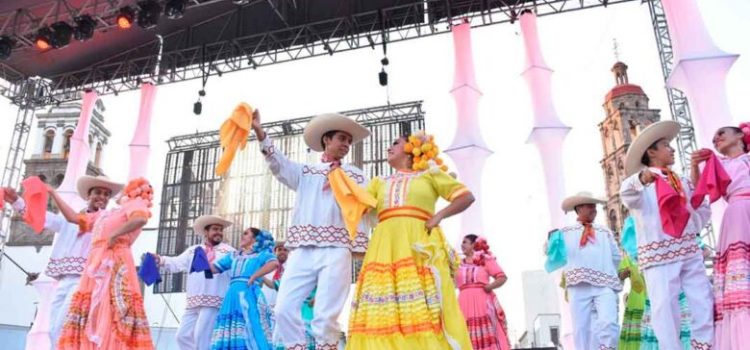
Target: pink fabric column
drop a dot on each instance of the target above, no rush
(468, 150)
(38, 336)
(700, 70)
(548, 135)
(78, 159)
(140, 149)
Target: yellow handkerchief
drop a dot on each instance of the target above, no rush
(233, 134)
(353, 200)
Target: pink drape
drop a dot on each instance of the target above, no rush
(468, 150)
(78, 158)
(140, 149)
(38, 336)
(548, 135)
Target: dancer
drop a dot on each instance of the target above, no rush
(204, 295)
(322, 250)
(71, 246)
(405, 295)
(269, 289)
(732, 262)
(668, 255)
(590, 275)
(107, 309)
(240, 324)
(485, 317)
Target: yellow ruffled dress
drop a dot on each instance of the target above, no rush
(405, 296)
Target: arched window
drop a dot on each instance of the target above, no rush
(66, 142)
(49, 140)
(58, 180)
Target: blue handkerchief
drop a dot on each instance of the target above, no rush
(149, 271)
(200, 263)
(557, 256)
(628, 239)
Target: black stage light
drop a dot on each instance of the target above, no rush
(174, 9)
(6, 47)
(125, 17)
(383, 77)
(43, 40)
(61, 34)
(148, 14)
(197, 108)
(85, 26)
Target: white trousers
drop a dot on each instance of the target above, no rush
(328, 268)
(595, 320)
(66, 286)
(196, 328)
(664, 283)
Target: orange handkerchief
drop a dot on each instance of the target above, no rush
(353, 200)
(35, 194)
(233, 135)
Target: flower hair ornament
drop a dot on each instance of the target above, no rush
(425, 152)
(263, 242)
(481, 251)
(137, 188)
(745, 127)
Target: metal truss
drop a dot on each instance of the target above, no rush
(678, 103)
(387, 114)
(18, 142)
(125, 71)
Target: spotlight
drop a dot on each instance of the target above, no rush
(85, 26)
(197, 108)
(61, 34)
(148, 15)
(43, 40)
(174, 9)
(125, 17)
(383, 77)
(6, 47)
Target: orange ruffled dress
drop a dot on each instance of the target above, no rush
(106, 311)
(405, 296)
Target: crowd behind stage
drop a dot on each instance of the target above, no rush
(414, 290)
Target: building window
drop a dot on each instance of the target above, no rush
(49, 140)
(66, 142)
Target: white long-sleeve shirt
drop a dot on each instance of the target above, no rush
(201, 291)
(317, 219)
(654, 246)
(596, 262)
(69, 249)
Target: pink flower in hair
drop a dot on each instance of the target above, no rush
(745, 127)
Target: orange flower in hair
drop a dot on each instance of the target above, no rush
(424, 152)
(138, 188)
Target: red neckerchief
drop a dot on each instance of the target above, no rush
(588, 234)
(210, 253)
(674, 181)
(278, 273)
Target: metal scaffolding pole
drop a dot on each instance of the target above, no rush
(678, 103)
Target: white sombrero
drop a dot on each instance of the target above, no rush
(200, 224)
(666, 129)
(329, 122)
(86, 183)
(570, 203)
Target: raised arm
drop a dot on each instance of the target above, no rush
(52, 221)
(285, 170)
(67, 212)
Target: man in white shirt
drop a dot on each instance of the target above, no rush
(71, 246)
(670, 262)
(590, 275)
(321, 250)
(204, 295)
(269, 293)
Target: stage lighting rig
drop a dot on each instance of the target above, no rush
(125, 17)
(240, 2)
(85, 26)
(61, 34)
(174, 9)
(6, 47)
(148, 14)
(43, 40)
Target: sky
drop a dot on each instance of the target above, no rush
(578, 46)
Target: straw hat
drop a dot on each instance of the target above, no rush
(199, 225)
(570, 203)
(328, 122)
(666, 129)
(86, 183)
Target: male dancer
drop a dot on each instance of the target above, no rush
(672, 261)
(269, 290)
(591, 275)
(321, 253)
(204, 295)
(71, 246)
